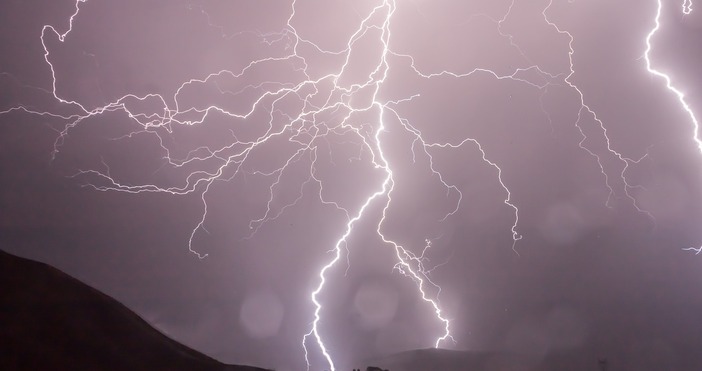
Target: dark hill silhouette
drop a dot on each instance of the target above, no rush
(51, 321)
(453, 360)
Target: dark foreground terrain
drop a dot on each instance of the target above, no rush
(451, 360)
(564, 360)
(51, 321)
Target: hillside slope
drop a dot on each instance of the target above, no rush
(51, 321)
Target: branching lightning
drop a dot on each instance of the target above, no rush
(586, 111)
(314, 122)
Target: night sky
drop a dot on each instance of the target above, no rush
(201, 161)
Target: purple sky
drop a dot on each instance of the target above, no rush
(113, 172)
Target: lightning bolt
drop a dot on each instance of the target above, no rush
(686, 9)
(327, 105)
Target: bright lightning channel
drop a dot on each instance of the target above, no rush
(405, 257)
(686, 9)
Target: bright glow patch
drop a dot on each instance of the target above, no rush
(375, 304)
(261, 314)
